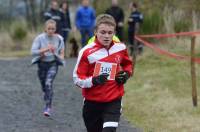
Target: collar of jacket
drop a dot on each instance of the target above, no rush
(102, 46)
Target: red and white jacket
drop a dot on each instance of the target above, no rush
(95, 59)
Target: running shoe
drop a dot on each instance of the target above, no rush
(47, 111)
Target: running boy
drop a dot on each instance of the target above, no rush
(101, 70)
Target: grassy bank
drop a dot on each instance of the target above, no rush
(158, 96)
(14, 48)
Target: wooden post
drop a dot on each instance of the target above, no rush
(193, 72)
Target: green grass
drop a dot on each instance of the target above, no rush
(17, 54)
(158, 96)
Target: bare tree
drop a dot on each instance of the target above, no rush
(44, 5)
(34, 11)
(34, 16)
(31, 13)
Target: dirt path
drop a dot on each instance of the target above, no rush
(21, 100)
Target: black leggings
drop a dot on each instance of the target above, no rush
(47, 72)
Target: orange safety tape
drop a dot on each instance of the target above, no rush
(164, 52)
(170, 35)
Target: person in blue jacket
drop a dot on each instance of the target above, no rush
(85, 21)
(134, 21)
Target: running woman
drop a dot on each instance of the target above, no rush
(48, 52)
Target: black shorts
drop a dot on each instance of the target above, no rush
(102, 117)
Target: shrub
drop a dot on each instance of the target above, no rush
(18, 31)
(152, 23)
(101, 6)
(178, 21)
(181, 26)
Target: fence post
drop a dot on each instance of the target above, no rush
(193, 72)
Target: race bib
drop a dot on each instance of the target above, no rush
(105, 67)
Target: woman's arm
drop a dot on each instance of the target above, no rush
(36, 48)
(62, 54)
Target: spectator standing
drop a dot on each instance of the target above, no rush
(102, 69)
(134, 21)
(85, 20)
(48, 52)
(54, 14)
(65, 22)
(118, 15)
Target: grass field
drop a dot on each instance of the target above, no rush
(158, 97)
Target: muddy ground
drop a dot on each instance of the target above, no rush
(21, 101)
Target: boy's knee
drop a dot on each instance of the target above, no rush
(110, 126)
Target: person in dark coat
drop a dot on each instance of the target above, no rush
(54, 14)
(118, 15)
(134, 21)
(65, 23)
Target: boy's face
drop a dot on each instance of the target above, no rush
(104, 34)
(50, 29)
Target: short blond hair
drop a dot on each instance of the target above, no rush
(105, 19)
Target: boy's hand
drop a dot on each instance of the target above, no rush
(122, 77)
(101, 79)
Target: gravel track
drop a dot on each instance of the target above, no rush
(21, 101)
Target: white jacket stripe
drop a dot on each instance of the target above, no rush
(97, 55)
(83, 83)
(116, 48)
(102, 53)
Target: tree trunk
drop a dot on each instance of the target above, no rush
(27, 10)
(44, 5)
(33, 14)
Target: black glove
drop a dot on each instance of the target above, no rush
(101, 79)
(122, 77)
